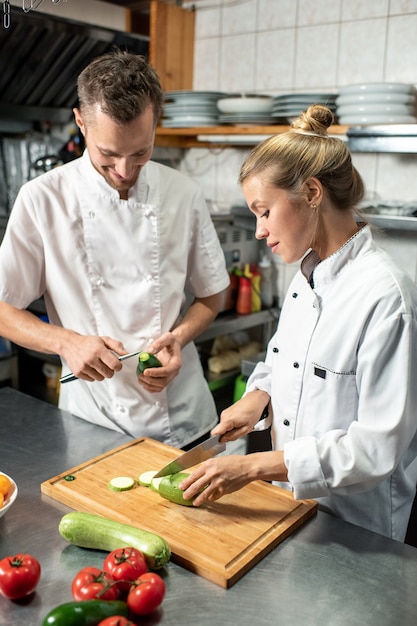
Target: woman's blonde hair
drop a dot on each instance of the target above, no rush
(307, 151)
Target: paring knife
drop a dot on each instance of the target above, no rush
(199, 453)
(68, 377)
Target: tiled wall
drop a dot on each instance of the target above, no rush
(283, 46)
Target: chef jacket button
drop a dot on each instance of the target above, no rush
(158, 404)
(149, 278)
(295, 295)
(275, 349)
(91, 214)
(296, 365)
(99, 281)
(286, 422)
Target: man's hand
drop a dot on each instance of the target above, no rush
(91, 357)
(168, 350)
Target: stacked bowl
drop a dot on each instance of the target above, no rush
(185, 109)
(288, 107)
(377, 103)
(245, 109)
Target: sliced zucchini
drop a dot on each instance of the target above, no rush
(145, 360)
(146, 478)
(121, 483)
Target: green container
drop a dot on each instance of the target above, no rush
(240, 387)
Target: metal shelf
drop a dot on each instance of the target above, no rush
(394, 222)
(233, 323)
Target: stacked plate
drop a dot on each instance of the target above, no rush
(290, 106)
(377, 103)
(245, 109)
(186, 109)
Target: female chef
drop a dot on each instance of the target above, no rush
(340, 372)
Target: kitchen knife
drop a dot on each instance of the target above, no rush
(199, 453)
(68, 377)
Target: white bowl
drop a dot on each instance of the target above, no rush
(375, 109)
(11, 496)
(245, 104)
(377, 88)
(378, 98)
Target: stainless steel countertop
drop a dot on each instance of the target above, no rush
(328, 573)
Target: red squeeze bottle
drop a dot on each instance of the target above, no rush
(244, 296)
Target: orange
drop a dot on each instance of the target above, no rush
(1, 500)
(5, 485)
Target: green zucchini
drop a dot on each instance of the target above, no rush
(85, 612)
(88, 530)
(145, 360)
(168, 488)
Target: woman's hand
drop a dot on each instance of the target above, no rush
(225, 474)
(168, 350)
(240, 418)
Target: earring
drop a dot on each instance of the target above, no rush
(314, 206)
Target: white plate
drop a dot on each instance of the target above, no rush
(377, 88)
(188, 123)
(306, 97)
(11, 496)
(191, 109)
(377, 119)
(380, 98)
(299, 107)
(193, 96)
(255, 104)
(375, 109)
(247, 119)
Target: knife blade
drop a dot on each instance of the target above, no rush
(68, 377)
(209, 448)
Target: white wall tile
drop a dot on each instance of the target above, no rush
(366, 164)
(316, 57)
(207, 22)
(276, 14)
(318, 12)
(397, 177)
(237, 63)
(401, 53)
(362, 51)
(275, 53)
(358, 9)
(206, 58)
(397, 7)
(239, 18)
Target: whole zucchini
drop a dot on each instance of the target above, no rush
(85, 612)
(88, 530)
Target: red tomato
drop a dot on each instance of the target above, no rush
(116, 620)
(92, 583)
(125, 565)
(19, 575)
(146, 594)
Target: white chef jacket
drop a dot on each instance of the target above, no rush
(341, 371)
(121, 268)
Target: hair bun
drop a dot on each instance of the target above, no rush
(315, 120)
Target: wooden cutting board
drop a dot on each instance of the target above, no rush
(220, 541)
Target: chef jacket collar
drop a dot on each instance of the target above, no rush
(336, 261)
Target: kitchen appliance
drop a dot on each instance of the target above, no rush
(220, 541)
(203, 451)
(44, 56)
